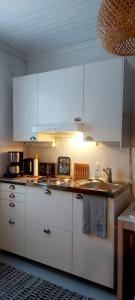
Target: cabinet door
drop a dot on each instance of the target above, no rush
(93, 257)
(53, 248)
(12, 235)
(13, 188)
(103, 84)
(12, 196)
(53, 209)
(60, 95)
(12, 209)
(24, 107)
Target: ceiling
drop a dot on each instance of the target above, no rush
(31, 26)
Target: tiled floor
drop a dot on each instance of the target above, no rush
(60, 278)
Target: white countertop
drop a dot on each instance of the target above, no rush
(130, 210)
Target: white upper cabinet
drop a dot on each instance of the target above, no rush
(98, 94)
(106, 112)
(24, 107)
(60, 96)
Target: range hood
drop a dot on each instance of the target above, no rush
(59, 129)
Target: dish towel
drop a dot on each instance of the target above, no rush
(95, 216)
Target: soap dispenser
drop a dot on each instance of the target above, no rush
(97, 170)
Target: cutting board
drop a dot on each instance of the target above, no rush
(81, 170)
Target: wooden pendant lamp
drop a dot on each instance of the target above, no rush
(116, 26)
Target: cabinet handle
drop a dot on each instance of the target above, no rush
(33, 138)
(12, 204)
(48, 192)
(12, 187)
(77, 119)
(11, 221)
(47, 230)
(11, 195)
(78, 196)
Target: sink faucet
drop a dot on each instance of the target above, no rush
(108, 172)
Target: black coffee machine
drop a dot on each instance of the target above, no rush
(28, 166)
(15, 168)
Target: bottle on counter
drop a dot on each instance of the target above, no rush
(97, 170)
(35, 166)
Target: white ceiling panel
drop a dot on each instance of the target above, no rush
(34, 25)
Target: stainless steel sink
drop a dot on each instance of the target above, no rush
(102, 186)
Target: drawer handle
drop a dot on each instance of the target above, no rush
(33, 138)
(77, 119)
(11, 221)
(47, 230)
(12, 204)
(78, 196)
(12, 187)
(48, 192)
(11, 195)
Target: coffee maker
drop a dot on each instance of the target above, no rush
(15, 168)
(28, 166)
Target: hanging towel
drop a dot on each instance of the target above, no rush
(95, 216)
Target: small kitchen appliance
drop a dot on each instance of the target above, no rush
(28, 166)
(15, 168)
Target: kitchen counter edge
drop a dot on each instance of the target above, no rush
(73, 189)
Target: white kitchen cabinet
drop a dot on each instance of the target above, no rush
(12, 218)
(24, 107)
(98, 94)
(107, 96)
(60, 96)
(53, 248)
(49, 227)
(94, 257)
(12, 235)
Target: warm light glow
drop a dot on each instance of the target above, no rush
(79, 142)
(78, 138)
(54, 144)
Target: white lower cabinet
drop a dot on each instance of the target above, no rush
(49, 227)
(94, 258)
(45, 225)
(12, 235)
(12, 218)
(50, 246)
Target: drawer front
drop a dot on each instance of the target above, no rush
(54, 248)
(12, 196)
(12, 235)
(12, 209)
(54, 209)
(12, 187)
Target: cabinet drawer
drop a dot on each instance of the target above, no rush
(54, 248)
(12, 187)
(12, 209)
(12, 196)
(54, 209)
(12, 235)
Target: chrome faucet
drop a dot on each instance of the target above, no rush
(108, 172)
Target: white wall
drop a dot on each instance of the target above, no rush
(87, 152)
(10, 66)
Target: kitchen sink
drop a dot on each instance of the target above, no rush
(102, 186)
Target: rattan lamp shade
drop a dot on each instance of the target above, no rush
(116, 26)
